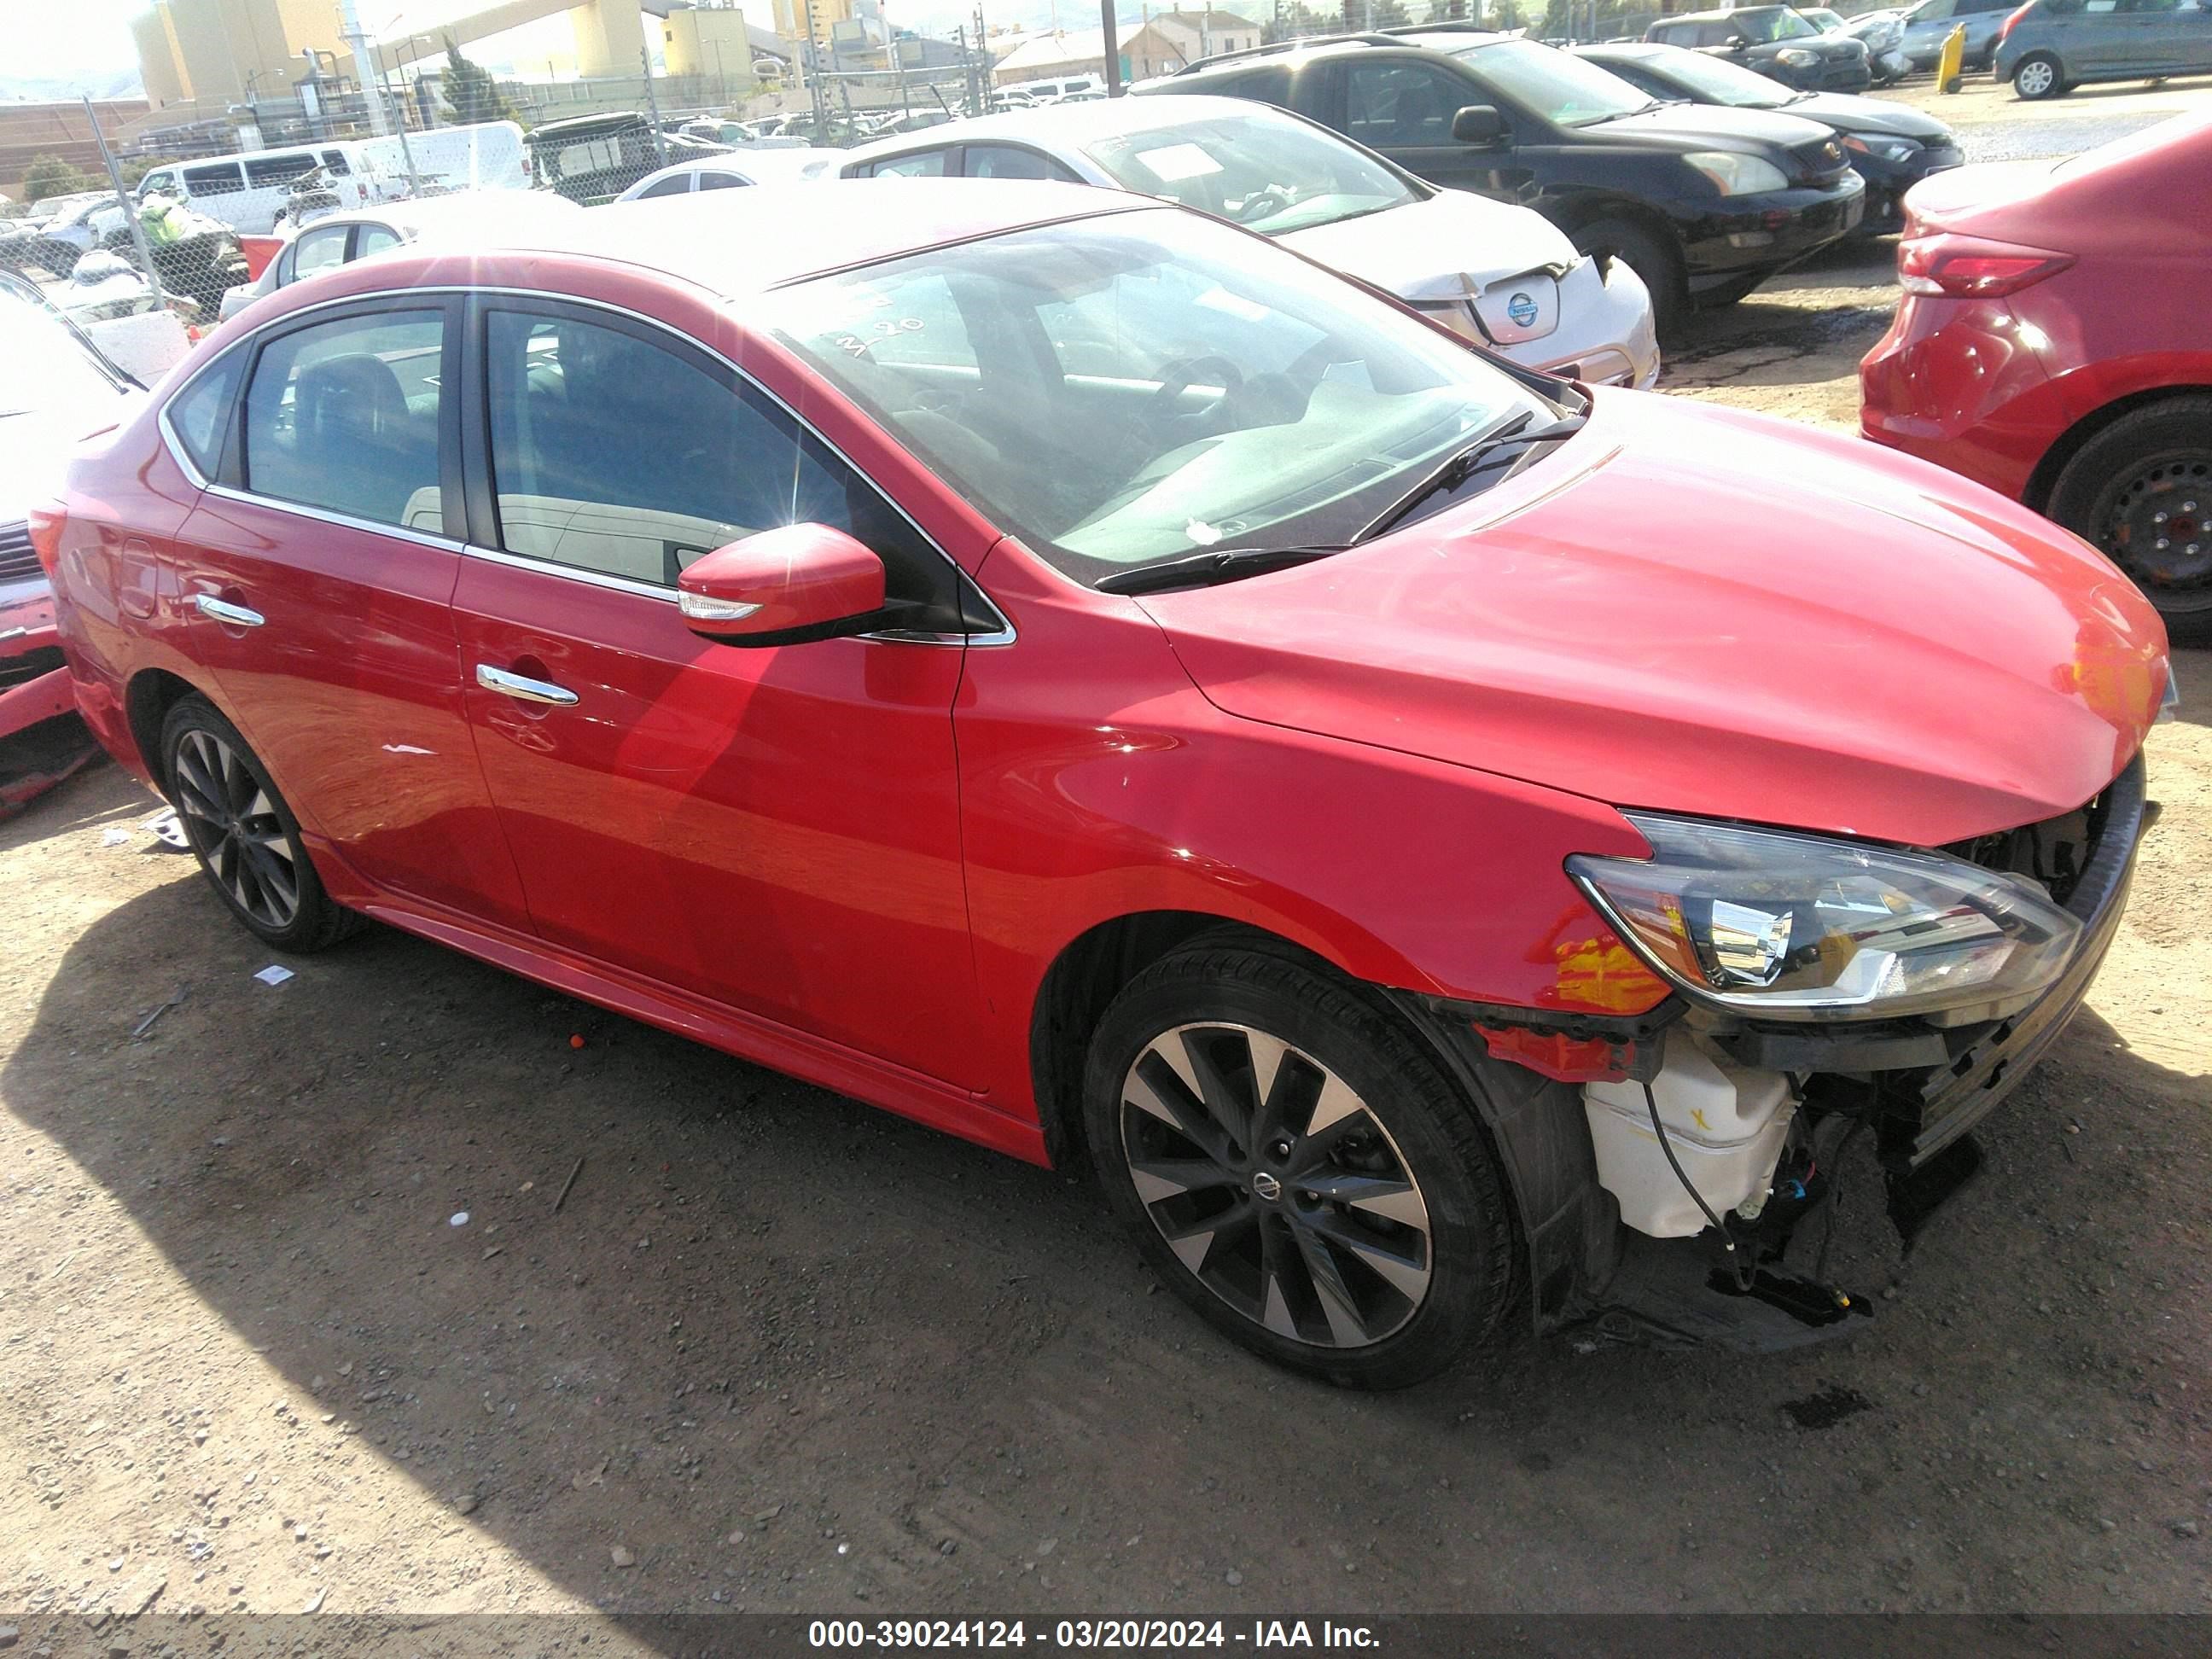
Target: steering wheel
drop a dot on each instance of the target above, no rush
(1262, 204)
(1176, 377)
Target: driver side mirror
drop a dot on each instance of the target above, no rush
(1478, 124)
(786, 587)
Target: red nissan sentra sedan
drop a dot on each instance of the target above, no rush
(2053, 343)
(1443, 848)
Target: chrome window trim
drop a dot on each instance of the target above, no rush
(1003, 635)
(324, 515)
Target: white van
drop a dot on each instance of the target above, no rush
(244, 192)
(1051, 90)
(248, 192)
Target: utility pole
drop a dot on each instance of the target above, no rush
(814, 78)
(122, 199)
(652, 107)
(364, 63)
(1110, 27)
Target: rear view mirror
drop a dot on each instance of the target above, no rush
(1478, 124)
(804, 581)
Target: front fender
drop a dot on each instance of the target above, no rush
(1097, 782)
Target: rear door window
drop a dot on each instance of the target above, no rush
(924, 164)
(321, 248)
(678, 184)
(343, 415)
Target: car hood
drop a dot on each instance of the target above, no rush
(1687, 127)
(1698, 610)
(1849, 114)
(1419, 250)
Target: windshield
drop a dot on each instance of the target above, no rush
(1568, 92)
(44, 366)
(1137, 386)
(1780, 23)
(1717, 81)
(1270, 172)
(1828, 22)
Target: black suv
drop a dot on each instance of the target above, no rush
(1703, 203)
(1774, 41)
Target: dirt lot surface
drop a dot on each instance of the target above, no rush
(290, 1318)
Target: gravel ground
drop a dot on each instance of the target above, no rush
(779, 1352)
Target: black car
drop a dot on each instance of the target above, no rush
(1774, 41)
(1703, 203)
(1891, 146)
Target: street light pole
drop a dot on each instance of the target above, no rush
(1109, 27)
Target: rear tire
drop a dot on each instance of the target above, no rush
(2037, 77)
(1655, 261)
(2147, 478)
(1322, 1195)
(243, 835)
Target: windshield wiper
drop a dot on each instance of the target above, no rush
(1205, 569)
(1485, 452)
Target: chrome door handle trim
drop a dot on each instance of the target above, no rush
(223, 611)
(527, 690)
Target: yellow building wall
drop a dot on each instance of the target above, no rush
(610, 37)
(707, 43)
(791, 18)
(160, 60)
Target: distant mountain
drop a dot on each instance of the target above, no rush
(38, 89)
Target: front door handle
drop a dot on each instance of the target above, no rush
(526, 690)
(224, 611)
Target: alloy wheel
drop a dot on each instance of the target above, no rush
(232, 825)
(2158, 526)
(1276, 1185)
(2034, 78)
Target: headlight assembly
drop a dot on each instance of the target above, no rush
(1737, 175)
(1797, 57)
(1888, 149)
(1808, 927)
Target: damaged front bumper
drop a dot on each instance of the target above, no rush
(1724, 1085)
(41, 739)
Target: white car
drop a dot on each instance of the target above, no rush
(734, 172)
(339, 239)
(1500, 276)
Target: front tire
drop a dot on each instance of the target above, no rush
(1297, 1169)
(2141, 490)
(2037, 78)
(243, 835)
(1650, 258)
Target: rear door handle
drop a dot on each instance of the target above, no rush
(223, 611)
(527, 690)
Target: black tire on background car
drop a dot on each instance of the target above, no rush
(2038, 75)
(1297, 1169)
(2142, 491)
(1650, 257)
(245, 836)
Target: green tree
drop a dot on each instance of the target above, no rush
(50, 175)
(470, 92)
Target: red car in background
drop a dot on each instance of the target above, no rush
(2054, 342)
(1444, 845)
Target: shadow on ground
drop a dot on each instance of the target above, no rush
(920, 1377)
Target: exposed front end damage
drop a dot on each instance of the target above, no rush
(41, 739)
(1677, 1172)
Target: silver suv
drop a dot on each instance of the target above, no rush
(1929, 24)
(2051, 46)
